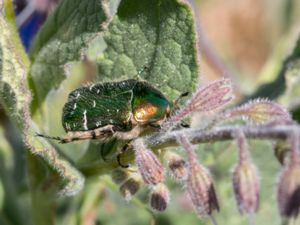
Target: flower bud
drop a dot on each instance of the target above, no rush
(148, 164)
(260, 111)
(288, 192)
(119, 175)
(130, 187)
(159, 197)
(206, 99)
(245, 179)
(177, 165)
(199, 183)
(201, 190)
(246, 187)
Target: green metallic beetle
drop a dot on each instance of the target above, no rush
(122, 109)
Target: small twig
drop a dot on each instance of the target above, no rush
(197, 136)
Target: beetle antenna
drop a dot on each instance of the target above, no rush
(138, 75)
(184, 94)
(49, 137)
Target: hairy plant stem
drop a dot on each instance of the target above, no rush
(160, 141)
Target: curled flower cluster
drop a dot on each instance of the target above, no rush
(196, 178)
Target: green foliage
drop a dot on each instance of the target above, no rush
(161, 37)
(16, 97)
(157, 34)
(62, 39)
(153, 40)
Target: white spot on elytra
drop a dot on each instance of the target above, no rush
(67, 126)
(78, 94)
(118, 110)
(91, 87)
(75, 105)
(98, 91)
(98, 124)
(111, 121)
(84, 120)
(94, 103)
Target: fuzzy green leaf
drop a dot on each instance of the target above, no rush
(15, 98)
(155, 34)
(64, 36)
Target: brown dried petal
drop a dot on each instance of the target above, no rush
(159, 198)
(177, 165)
(148, 164)
(130, 187)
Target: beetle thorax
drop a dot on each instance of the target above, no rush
(145, 112)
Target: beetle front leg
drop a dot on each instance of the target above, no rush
(71, 136)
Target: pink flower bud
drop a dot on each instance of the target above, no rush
(201, 190)
(260, 111)
(246, 187)
(206, 99)
(159, 198)
(245, 180)
(148, 164)
(288, 192)
(199, 184)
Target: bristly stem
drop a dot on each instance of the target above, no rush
(196, 136)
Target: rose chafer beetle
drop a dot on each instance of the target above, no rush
(122, 109)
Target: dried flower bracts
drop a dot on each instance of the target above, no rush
(196, 178)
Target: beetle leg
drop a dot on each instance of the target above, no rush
(129, 135)
(71, 136)
(185, 125)
(155, 125)
(124, 149)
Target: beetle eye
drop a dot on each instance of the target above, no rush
(145, 112)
